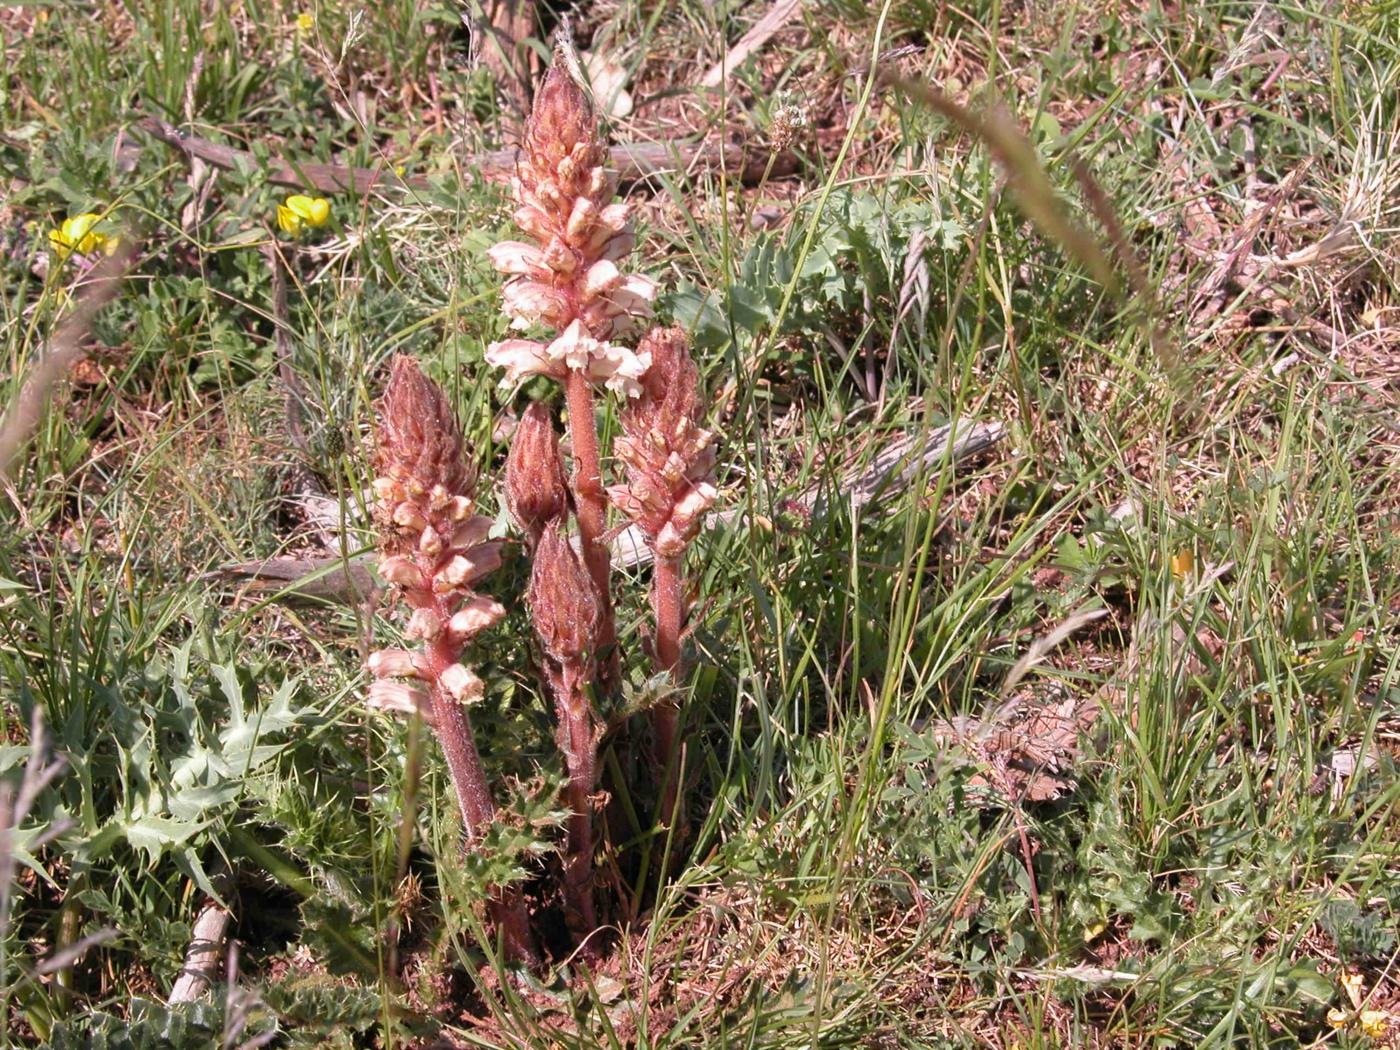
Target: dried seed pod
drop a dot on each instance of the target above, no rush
(667, 455)
(537, 491)
(564, 603)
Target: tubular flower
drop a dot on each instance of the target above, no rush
(667, 455)
(568, 279)
(302, 212)
(433, 548)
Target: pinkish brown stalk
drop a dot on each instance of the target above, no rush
(668, 458)
(433, 548)
(566, 280)
(567, 615)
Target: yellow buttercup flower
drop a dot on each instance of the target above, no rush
(1183, 563)
(77, 235)
(1373, 1023)
(306, 22)
(301, 212)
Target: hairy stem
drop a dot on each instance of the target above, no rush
(454, 731)
(579, 744)
(590, 507)
(668, 605)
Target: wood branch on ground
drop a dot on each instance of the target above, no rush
(509, 23)
(65, 348)
(633, 162)
(204, 954)
(778, 16)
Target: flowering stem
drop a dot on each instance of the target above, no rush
(590, 505)
(668, 605)
(454, 731)
(579, 744)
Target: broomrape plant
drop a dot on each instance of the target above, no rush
(567, 280)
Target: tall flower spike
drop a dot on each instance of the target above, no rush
(668, 458)
(433, 548)
(536, 490)
(667, 455)
(568, 280)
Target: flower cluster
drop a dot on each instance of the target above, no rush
(668, 456)
(433, 546)
(569, 280)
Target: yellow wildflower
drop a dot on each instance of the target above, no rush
(1183, 563)
(301, 211)
(306, 22)
(1373, 1023)
(1337, 1018)
(77, 235)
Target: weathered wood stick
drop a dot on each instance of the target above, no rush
(778, 16)
(634, 162)
(204, 954)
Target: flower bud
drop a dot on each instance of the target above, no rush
(400, 571)
(471, 532)
(430, 543)
(563, 600)
(602, 277)
(536, 489)
(407, 515)
(424, 625)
